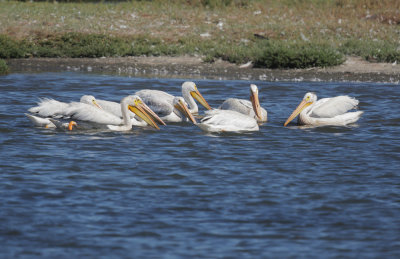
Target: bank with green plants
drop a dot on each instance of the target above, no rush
(270, 34)
(3, 67)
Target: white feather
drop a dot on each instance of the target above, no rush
(227, 121)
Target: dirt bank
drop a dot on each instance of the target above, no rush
(354, 69)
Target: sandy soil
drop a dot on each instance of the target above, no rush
(354, 69)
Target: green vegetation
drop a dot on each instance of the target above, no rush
(10, 48)
(3, 67)
(271, 34)
(376, 51)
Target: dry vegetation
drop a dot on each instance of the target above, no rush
(360, 27)
(333, 20)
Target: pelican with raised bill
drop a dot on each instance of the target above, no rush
(162, 103)
(251, 108)
(50, 108)
(327, 111)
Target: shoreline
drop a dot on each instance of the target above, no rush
(353, 69)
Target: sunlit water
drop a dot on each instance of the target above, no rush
(178, 192)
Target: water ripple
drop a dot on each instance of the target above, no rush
(179, 192)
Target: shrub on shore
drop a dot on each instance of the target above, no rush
(10, 48)
(263, 53)
(375, 51)
(3, 67)
(279, 55)
(78, 45)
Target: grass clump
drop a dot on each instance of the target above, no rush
(10, 48)
(77, 45)
(3, 67)
(375, 51)
(303, 55)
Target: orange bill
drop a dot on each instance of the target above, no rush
(256, 104)
(182, 107)
(197, 95)
(304, 104)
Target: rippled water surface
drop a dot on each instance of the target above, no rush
(178, 192)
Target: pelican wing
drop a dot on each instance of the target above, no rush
(239, 105)
(88, 113)
(227, 120)
(50, 108)
(111, 107)
(160, 102)
(331, 107)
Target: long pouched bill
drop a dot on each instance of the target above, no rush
(197, 95)
(304, 104)
(153, 115)
(140, 111)
(184, 109)
(256, 104)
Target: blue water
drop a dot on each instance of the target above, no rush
(328, 192)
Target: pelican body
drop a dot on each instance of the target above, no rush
(50, 108)
(327, 111)
(227, 121)
(250, 108)
(162, 103)
(130, 103)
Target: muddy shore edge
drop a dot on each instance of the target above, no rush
(354, 69)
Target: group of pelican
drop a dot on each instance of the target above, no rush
(153, 107)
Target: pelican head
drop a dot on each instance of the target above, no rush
(190, 89)
(180, 104)
(138, 107)
(255, 101)
(89, 99)
(309, 99)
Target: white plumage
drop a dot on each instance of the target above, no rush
(88, 113)
(327, 111)
(227, 121)
(50, 108)
(250, 108)
(162, 103)
(113, 122)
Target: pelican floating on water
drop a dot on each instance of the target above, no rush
(227, 121)
(130, 103)
(55, 109)
(250, 108)
(162, 103)
(326, 111)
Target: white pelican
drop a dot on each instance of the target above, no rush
(326, 111)
(227, 121)
(52, 108)
(251, 108)
(113, 122)
(162, 103)
(49, 122)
